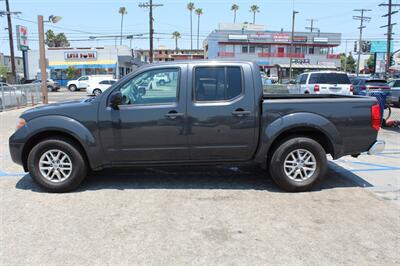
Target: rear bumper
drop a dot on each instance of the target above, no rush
(377, 147)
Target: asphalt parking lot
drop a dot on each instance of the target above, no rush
(203, 216)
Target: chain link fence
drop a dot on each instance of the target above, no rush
(18, 96)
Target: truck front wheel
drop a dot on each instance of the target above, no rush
(297, 164)
(57, 165)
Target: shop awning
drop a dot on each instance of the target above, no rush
(307, 66)
(80, 64)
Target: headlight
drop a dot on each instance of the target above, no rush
(20, 123)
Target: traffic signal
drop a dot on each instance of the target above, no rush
(355, 46)
(392, 63)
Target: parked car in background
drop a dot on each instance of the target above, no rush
(82, 82)
(10, 96)
(394, 96)
(97, 87)
(363, 85)
(51, 84)
(161, 79)
(323, 82)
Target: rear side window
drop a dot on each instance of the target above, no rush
(329, 78)
(376, 82)
(217, 83)
(104, 82)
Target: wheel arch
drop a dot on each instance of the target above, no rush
(40, 136)
(308, 125)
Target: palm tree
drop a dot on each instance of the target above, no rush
(234, 8)
(122, 10)
(190, 7)
(199, 12)
(176, 35)
(255, 9)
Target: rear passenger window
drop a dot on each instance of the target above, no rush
(217, 83)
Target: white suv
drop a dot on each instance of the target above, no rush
(323, 82)
(82, 82)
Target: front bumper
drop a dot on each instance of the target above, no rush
(16, 152)
(377, 147)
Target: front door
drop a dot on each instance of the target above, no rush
(149, 125)
(222, 113)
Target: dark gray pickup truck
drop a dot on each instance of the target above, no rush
(202, 113)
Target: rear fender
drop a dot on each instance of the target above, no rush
(302, 121)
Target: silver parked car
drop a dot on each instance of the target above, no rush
(394, 96)
(10, 96)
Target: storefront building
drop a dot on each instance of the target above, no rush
(271, 49)
(64, 64)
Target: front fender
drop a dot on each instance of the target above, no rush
(56, 123)
(270, 132)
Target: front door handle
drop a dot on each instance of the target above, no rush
(240, 112)
(173, 115)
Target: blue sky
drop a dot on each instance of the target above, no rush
(84, 18)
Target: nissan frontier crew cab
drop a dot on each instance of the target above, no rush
(209, 112)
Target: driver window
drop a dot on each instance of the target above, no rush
(159, 86)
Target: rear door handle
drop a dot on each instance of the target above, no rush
(173, 115)
(240, 113)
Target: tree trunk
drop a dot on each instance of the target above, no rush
(122, 21)
(198, 31)
(191, 32)
(254, 18)
(234, 17)
(176, 44)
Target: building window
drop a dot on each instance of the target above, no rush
(245, 49)
(252, 49)
(311, 50)
(323, 50)
(297, 50)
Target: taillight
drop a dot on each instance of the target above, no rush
(376, 117)
(316, 88)
(351, 88)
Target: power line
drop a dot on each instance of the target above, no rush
(361, 18)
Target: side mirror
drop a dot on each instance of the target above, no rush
(115, 100)
(292, 82)
(142, 91)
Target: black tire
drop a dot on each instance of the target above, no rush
(97, 92)
(72, 88)
(1, 105)
(277, 169)
(79, 165)
(161, 82)
(50, 88)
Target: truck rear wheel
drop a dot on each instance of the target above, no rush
(57, 165)
(297, 164)
(72, 88)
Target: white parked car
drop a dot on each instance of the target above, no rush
(323, 82)
(82, 82)
(161, 79)
(10, 96)
(97, 87)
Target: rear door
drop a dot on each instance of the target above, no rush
(222, 112)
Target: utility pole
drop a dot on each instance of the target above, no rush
(291, 44)
(150, 5)
(311, 28)
(42, 52)
(10, 37)
(389, 32)
(361, 18)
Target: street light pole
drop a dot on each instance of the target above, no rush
(291, 44)
(42, 51)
